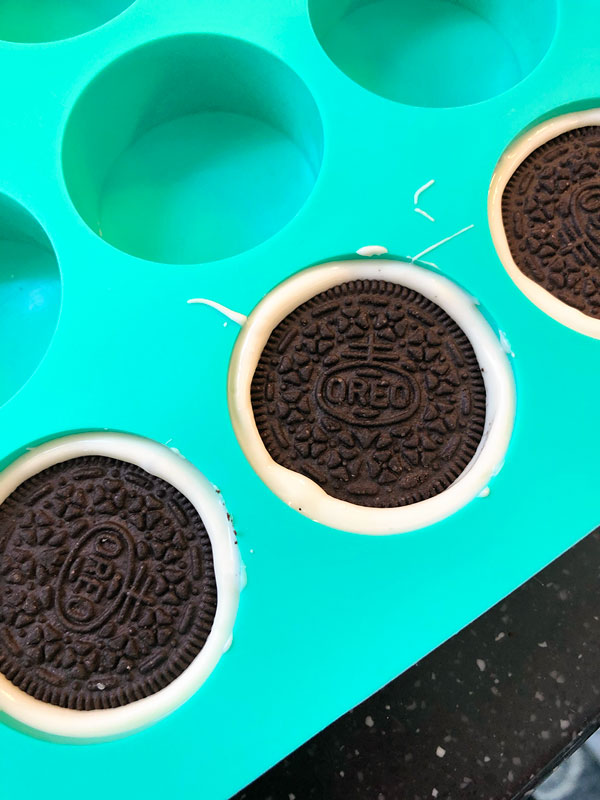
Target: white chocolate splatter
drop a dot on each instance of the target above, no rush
(371, 250)
(422, 189)
(441, 242)
(234, 316)
(424, 214)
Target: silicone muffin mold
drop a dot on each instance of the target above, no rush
(154, 152)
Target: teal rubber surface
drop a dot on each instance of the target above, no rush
(298, 163)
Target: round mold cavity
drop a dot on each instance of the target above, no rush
(32, 21)
(162, 462)
(30, 295)
(192, 148)
(436, 53)
(511, 160)
(302, 493)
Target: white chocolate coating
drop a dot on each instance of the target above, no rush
(305, 495)
(161, 461)
(518, 151)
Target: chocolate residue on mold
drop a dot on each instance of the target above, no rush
(373, 392)
(551, 215)
(107, 585)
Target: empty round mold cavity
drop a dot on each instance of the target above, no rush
(133, 582)
(52, 20)
(192, 148)
(30, 295)
(389, 387)
(547, 234)
(436, 53)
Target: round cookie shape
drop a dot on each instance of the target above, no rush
(544, 215)
(301, 421)
(107, 585)
(120, 578)
(372, 391)
(551, 213)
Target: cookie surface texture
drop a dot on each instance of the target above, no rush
(373, 392)
(107, 586)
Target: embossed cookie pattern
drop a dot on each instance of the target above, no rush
(373, 392)
(107, 586)
(551, 214)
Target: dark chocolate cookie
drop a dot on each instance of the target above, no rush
(107, 586)
(373, 391)
(551, 214)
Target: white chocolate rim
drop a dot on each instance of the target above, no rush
(162, 462)
(512, 158)
(305, 495)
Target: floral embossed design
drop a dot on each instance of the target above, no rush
(107, 586)
(551, 213)
(373, 392)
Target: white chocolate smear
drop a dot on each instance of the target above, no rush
(424, 214)
(422, 189)
(418, 193)
(441, 242)
(234, 316)
(372, 250)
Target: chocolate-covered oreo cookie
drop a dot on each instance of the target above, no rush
(107, 585)
(551, 216)
(373, 392)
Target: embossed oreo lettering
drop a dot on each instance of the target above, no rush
(368, 395)
(94, 578)
(373, 392)
(107, 587)
(551, 214)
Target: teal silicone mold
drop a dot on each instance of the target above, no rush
(304, 164)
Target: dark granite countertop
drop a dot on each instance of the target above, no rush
(484, 717)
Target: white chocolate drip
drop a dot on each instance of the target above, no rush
(441, 242)
(234, 316)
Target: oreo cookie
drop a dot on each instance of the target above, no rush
(373, 392)
(551, 216)
(107, 585)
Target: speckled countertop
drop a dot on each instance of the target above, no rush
(484, 716)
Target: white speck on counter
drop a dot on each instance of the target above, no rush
(388, 708)
(500, 636)
(435, 793)
(440, 752)
(545, 734)
(539, 696)
(369, 722)
(564, 724)
(481, 664)
(291, 796)
(542, 644)
(100, 686)
(342, 773)
(487, 759)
